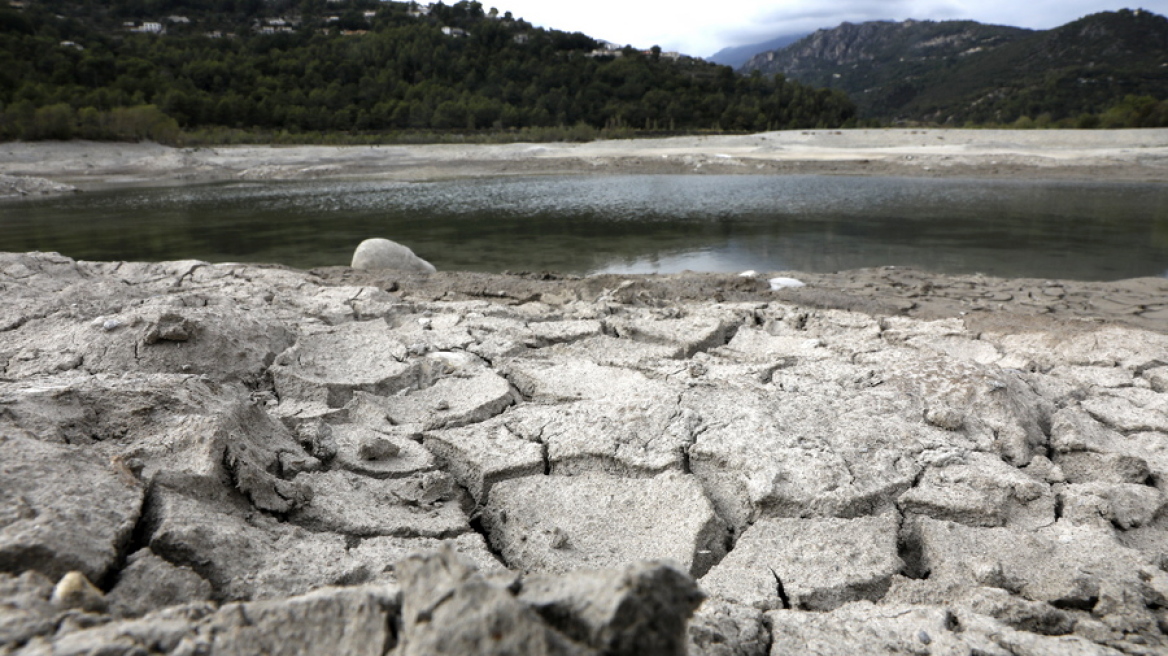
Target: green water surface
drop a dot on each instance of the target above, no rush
(636, 224)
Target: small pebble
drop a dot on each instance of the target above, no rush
(75, 591)
(559, 539)
(377, 448)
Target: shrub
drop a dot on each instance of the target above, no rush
(52, 122)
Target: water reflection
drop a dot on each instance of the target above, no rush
(629, 224)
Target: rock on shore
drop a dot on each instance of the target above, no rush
(245, 459)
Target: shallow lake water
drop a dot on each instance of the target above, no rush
(634, 224)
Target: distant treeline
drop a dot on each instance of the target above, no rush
(387, 72)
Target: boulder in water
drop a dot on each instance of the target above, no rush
(386, 254)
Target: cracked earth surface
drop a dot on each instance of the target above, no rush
(888, 463)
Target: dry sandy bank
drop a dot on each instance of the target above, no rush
(1123, 155)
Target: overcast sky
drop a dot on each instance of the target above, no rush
(702, 27)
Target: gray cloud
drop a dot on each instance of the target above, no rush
(696, 27)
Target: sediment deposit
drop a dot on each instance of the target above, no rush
(1116, 155)
(234, 459)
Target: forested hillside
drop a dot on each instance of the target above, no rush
(881, 64)
(1082, 68)
(958, 72)
(135, 68)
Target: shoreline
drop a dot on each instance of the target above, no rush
(1097, 155)
(980, 302)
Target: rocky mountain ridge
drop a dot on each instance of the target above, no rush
(851, 43)
(736, 56)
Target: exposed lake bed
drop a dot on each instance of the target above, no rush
(886, 460)
(939, 460)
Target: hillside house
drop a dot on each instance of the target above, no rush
(148, 27)
(607, 49)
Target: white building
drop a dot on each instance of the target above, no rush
(148, 27)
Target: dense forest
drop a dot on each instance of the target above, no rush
(164, 68)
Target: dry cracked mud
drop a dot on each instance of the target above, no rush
(236, 459)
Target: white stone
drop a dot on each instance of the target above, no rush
(386, 254)
(785, 283)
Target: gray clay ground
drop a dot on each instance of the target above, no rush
(248, 459)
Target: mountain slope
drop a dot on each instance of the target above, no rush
(1083, 67)
(739, 55)
(960, 71)
(880, 64)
